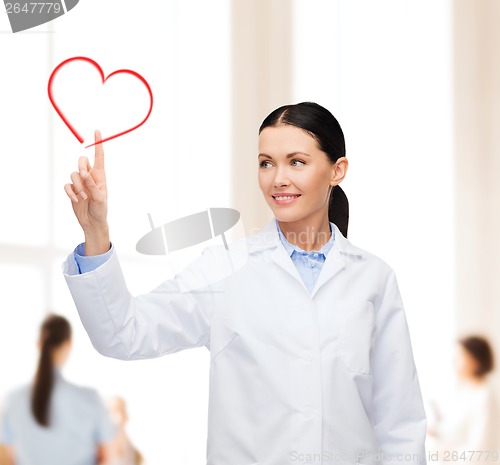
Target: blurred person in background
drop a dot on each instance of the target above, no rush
(123, 451)
(467, 423)
(51, 421)
(4, 457)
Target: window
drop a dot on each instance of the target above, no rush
(176, 164)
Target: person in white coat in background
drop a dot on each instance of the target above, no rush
(310, 352)
(467, 421)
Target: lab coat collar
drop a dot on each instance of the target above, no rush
(291, 248)
(339, 256)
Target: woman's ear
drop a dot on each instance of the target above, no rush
(339, 171)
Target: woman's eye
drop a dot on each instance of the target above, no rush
(263, 164)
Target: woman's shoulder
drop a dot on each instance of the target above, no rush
(488, 390)
(81, 390)
(18, 391)
(358, 254)
(16, 397)
(86, 397)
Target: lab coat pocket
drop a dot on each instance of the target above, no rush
(357, 330)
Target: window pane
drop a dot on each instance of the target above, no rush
(25, 139)
(178, 162)
(22, 309)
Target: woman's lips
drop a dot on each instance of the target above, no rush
(285, 201)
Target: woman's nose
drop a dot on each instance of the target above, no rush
(281, 178)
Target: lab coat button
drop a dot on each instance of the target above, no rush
(308, 412)
(307, 356)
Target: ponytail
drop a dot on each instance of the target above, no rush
(44, 381)
(338, 209)
(54, 332)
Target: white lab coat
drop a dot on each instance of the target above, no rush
(295, 378)
(468, 429)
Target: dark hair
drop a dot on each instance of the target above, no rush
(480, 350)
(326, 130)
(55, 330)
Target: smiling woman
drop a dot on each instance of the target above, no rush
(309, 345)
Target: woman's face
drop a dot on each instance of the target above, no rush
(290, 162)
(465, 363)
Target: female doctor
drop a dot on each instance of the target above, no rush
(310, 352)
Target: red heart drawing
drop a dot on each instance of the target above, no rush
(93, 63)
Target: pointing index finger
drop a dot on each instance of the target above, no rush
(99, 152)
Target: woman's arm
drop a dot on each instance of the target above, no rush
(399, 418)
(174, 316)
(105, 454)
(6, 455)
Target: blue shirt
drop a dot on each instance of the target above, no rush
(308, 264)
(91, 262)
(78, 421)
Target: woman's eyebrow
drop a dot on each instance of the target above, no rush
(293, 154)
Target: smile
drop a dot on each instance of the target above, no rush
(285, 200)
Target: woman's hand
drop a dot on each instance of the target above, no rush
(89, 198)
